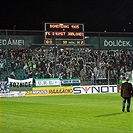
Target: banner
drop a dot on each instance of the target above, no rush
(109, 42)
(116, 43)
(94, 89)
(46, 91)
(13, 94)
(70, 82)
(20, 85)
(48, 82)
(7, 41)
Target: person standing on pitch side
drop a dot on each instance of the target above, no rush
(126, 94)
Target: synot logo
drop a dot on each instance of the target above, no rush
(86, 89)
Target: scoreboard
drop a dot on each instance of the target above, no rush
(64, 32)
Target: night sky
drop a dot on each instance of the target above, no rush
(96, 15)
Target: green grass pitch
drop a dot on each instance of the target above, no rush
(92, 113)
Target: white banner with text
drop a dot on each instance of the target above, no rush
(94, 89)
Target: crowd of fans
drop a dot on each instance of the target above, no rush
(84, 63)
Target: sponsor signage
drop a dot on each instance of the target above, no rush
(109, 42)
(15, 41)
(13, 94)
(48, 82)
(95, 89)
(7, 41)
(20, 85)
(116, 43)
(68, 82)
(45, 91)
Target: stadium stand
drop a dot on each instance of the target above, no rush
(91, 65)
(85, 64)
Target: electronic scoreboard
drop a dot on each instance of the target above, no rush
(64, 33)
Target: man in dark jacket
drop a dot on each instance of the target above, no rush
(126, 94)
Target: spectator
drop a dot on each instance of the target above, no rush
(1, 66)
(82, 75)
(118, 62)
(12, 75)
